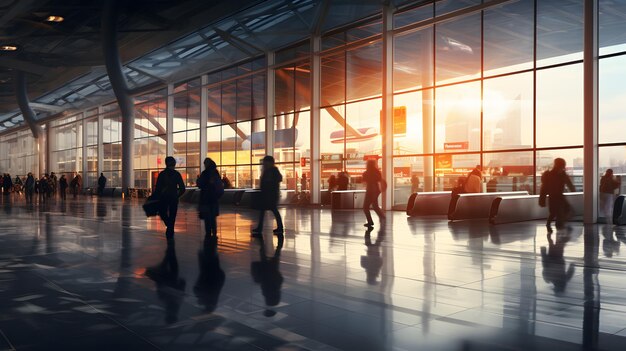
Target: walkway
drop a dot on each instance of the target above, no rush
(96, 275)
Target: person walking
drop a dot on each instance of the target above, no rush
(169, 187)
(211, 189)
(53, 184)
(374, 185)
(608, 185)
(553, 182)
(270, 192)
(7, 184)
(29, 188)
(102, 182)
(76, 184)
(63, 187)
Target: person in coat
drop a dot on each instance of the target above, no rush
(211, 189)
(63, 187)
(29, 188)
(374, 185)
(102, 182)
(169, 187)
(270, 192)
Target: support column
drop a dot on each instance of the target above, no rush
(387, 115)
(83, 149)
(169, 122)
(21, 95)
(590, 84)
(204, 117)
(120, 88)
(100, 141)
(316, 78)
(270, 104)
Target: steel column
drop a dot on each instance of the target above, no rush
(387, 123)
(316, 77)
(270, 104)
(204, 117)
(120, 88)
(100, 141)
(590, 84)
(169, 121)
(84, 151)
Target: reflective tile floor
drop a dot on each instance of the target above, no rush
(97, 275)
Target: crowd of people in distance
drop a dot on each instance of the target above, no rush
(47, 186)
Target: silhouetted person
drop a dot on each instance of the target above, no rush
(17, 185)
(332, 183)
(266, 272)
(554, 267)
(270, 193)
(211, 277)
(102, 182)
(169, 286)
(75, 185)
(44, 187)
(7, 184)
(343, 181)
(53, 183)
(474, 182)
(169, 187)
(415, 183)
(553, 182)
(373, 261)
(226, 182)
(304, 183)
(608, 185)
(211, 189)
(63, 187)
(374, 185)
(29, 188)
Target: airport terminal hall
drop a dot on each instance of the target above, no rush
(286, 175)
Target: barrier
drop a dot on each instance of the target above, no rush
(619, 212)
(433, 203)
(347, 199)
(476, 205)
(509, 209)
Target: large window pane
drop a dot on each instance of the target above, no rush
(449, 169)
(509, 171)
(560, 106)
(364, 72)
(458, 49)
(508, 112)
(573, 159)
(559, 31)
(413, 118)
(612, 96)
(509, 36)
(457, 116)
(446, 6)
(333, 80)
(363, 135)
(612, 30)
(214, 139)
(411, 174)
(413, 60)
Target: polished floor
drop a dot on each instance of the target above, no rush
(95, 274)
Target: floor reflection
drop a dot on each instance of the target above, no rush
(169, 286)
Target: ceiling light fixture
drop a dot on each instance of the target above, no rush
(8, 47)
(53, 18)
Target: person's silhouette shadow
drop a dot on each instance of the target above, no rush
(554, 266)
(170, 287)
(373, 261)
(211, 278)
(266, 272)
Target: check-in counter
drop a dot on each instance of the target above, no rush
(347, 199)
(433, 203)
(509, 209)
(475, 205)
(619, 210)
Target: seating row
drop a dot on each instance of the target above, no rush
(499, 207)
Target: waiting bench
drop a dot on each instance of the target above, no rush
(475, 205)
(619, 210)
(424, 204)
(509, 209)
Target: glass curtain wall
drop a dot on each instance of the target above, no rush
(66, 146)
(19, 154)
(150, 138)
(494, 88)
(112, 145)
(612, 92)
(351, 105)
(236, 122)
(292, 118)
(186, 130)
(91, 148)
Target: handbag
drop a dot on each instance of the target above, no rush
(151, 207)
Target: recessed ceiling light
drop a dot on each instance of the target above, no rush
(8, 47)
(53, 18)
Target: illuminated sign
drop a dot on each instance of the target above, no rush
(461, 145)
